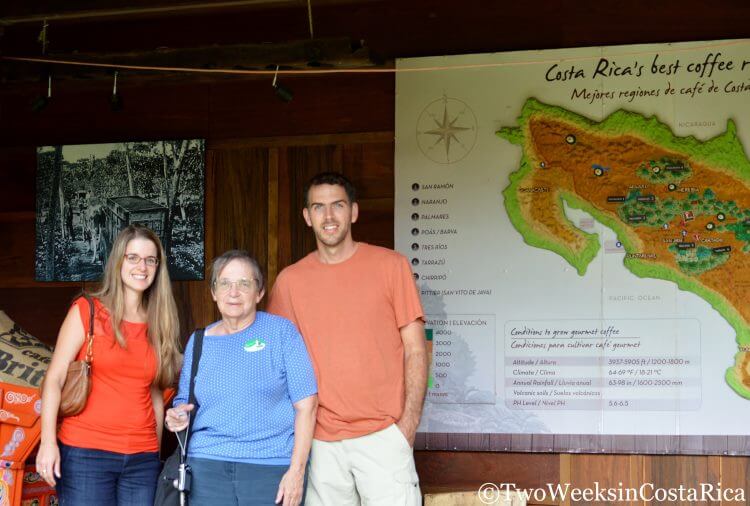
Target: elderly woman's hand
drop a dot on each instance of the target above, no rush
(291, 487)
(177, 417)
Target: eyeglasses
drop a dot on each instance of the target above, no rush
(134, 259)
(243, 285)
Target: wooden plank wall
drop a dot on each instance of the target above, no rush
(253, 200)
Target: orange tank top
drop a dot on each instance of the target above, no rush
(119, 415)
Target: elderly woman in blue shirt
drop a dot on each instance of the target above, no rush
(256, 398)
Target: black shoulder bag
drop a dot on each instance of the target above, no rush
(173, 486)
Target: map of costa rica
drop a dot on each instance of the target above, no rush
(680, 206)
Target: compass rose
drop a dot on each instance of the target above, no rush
(446, 130)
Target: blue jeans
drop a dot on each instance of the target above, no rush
(106, 478)
(219, 482)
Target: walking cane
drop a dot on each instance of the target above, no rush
(183, 481)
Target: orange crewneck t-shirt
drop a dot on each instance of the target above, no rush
(119, 415)
(349, 315)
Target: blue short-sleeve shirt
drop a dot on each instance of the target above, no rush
(245, 388)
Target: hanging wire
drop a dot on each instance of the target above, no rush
(43, 37)
(391, 70)
(309, 17)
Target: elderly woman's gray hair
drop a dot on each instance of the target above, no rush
(236, 254)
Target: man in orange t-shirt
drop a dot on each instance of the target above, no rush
(358, 309)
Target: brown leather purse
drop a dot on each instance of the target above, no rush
(77, 387)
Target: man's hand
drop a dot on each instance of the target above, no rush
(408, 429)
(415, 378)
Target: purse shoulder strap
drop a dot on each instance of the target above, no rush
(197, 350)
(90, 337)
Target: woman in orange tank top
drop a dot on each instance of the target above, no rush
(108, 454)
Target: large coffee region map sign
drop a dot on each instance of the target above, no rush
(578, 222)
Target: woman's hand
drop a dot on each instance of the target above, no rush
(177, 417)
(291, 487)
(48, 462)
(292, 483)
(69, 341)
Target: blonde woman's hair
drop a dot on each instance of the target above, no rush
(163, 322)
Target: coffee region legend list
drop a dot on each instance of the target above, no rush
(431, 229)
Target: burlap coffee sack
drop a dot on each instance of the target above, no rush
(23, 357)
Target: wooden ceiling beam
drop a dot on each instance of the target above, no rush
(94, 11)
(328, 53)
(15, 12)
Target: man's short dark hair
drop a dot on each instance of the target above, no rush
(332, 178)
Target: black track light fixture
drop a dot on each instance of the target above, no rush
(41, 101)
(284, 93)
(115, 100)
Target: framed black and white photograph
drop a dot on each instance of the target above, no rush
(87, 193)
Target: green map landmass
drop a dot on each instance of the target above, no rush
(680, 206)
